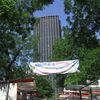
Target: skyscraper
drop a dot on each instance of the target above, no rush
(48, 30)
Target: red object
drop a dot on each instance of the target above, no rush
(96, 92)
(21, 80)
(35, 93)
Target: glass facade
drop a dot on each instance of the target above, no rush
(48, 29)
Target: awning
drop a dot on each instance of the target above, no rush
(26, 86)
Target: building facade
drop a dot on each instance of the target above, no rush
(47, 30)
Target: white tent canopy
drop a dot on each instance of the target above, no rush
(58, 67)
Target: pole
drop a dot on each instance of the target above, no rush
(91, 93)
(80, 94)
(53, 82)
(55, 86)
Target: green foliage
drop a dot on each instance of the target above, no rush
(6, 5)
(89, 67)
(84, 21)
(63, 50)
(44, 86)
(16, 28)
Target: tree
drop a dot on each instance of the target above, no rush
(16, 25)
(63, 47)
(84, 24)
(44, 86)
(89, 66)
(84, 21)
(63, 50)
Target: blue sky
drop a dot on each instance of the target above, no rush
(57, 8)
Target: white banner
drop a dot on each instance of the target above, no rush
(59, 67)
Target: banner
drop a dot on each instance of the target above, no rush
(59, 67)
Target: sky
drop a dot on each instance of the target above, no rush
(57, 8)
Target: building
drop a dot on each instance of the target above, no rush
(47, 30)
(19, 89)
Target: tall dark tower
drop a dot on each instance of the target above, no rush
(48, 30)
